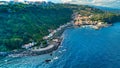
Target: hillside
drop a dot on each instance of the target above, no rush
(24, 23)
(108, 9)
(21, 24)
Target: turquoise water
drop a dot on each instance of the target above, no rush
(81, 48)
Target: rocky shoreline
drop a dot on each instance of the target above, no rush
(55, 38)
(54, 42)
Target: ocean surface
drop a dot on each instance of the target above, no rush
(81, 48)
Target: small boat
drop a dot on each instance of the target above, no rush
(48, 60)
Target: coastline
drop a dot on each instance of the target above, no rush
(82, 21)
(56, 34)
(52, 46)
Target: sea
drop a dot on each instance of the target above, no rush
(80, 48)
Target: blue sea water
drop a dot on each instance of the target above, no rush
(81, 48)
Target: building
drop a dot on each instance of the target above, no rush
(19, 0)
(55, 40)
(29, 45)
(16, 0)
(3, 3)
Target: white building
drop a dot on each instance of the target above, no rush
(26, 46)
(55, 40)
(19, 0)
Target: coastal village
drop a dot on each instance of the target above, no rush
(54, 38)
(51, 38)
(80, 20)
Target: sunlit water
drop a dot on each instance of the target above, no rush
(81, 48)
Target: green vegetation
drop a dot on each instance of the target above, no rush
(87, 11)
(107, 17)
(21, 23)
(98, 15)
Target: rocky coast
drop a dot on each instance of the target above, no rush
(54, 38)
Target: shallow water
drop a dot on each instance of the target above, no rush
(81, 48)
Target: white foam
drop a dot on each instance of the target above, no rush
(55, 57)
(5, 60)
(60, 51)
(60, 46)
(64, 50)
